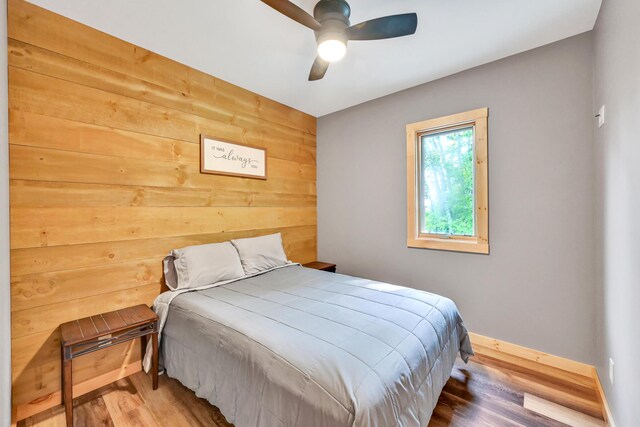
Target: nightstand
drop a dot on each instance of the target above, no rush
(324, 266)
(94, 333)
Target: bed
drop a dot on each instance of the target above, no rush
(297, 346)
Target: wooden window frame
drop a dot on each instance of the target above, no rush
(479, 242)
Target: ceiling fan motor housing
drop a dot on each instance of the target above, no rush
(332, 9)
(334, 17)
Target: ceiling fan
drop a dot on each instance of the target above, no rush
(330, 21)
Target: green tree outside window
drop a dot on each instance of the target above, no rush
(447, 183)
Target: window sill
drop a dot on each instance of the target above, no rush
(468, 245)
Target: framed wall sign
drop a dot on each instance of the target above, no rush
(221, 157)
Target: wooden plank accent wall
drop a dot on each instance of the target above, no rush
(104, 167)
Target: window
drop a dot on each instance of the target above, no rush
(447, 191)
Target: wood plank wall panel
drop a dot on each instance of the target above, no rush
(104, 166)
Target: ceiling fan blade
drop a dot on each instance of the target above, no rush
(318, 69)
(294, 12)
(384, 28)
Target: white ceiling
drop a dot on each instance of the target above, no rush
(247, 43)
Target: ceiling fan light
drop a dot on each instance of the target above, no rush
(332, 50)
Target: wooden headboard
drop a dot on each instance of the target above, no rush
(105, 180)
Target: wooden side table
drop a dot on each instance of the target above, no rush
(95, 333)
(324, 266)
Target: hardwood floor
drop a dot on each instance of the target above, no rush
(486, 392)
(489, 392)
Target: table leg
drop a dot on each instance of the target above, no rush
(67, 390)
(154, 368)
(143, 348)
(62, 372)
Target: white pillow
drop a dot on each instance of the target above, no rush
(261, 253)
(201, 265)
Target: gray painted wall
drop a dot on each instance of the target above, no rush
(617, 85)
(537, 287)
(5, 312)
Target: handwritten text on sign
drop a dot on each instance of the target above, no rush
(225, 158)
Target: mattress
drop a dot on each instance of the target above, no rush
(302, 347)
